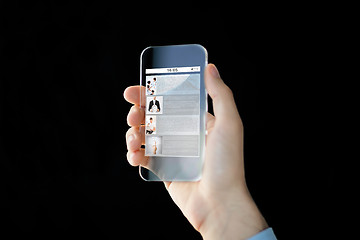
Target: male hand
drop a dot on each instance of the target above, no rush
(219, 206)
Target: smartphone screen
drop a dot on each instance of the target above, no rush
(175, 108)
(172, 113)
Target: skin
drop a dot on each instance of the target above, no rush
(219, 206)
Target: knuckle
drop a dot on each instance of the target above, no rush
(130, 131)
(228, 91)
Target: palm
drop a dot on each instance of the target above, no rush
(196, 199)
(189, 197)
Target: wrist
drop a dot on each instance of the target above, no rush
(238, 218)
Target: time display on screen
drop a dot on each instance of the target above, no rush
(172, 70)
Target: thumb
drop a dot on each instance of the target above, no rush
(221, 95)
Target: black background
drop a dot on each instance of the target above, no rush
(64, 172)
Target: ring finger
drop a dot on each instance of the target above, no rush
(135, 137)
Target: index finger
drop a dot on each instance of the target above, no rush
(132, 95)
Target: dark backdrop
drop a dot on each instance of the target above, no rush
(64, 172)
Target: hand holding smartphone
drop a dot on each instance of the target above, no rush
(222, 186)
(175, 108)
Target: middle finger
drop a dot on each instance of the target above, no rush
(135, 137)
(136, 116)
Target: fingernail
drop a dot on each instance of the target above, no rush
(214, 72)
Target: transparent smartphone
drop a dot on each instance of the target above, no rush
(175, 103)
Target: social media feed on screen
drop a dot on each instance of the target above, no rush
(172, 112)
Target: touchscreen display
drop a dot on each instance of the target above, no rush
(172, 112)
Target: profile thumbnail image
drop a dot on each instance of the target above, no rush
(154, 105)
(151, 85)
(150, 125)
(153, 146)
